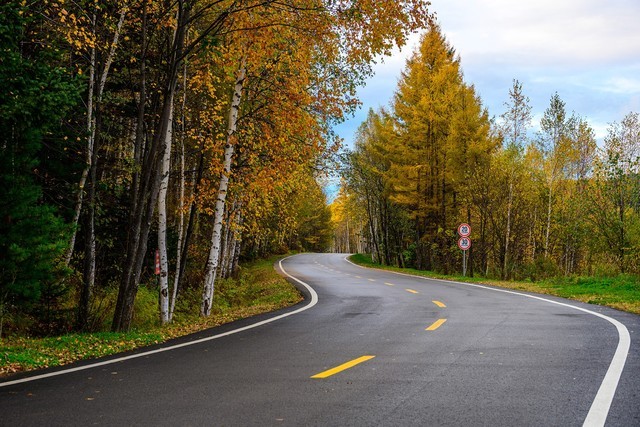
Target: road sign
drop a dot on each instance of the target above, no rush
(464, 230)
(464, 243)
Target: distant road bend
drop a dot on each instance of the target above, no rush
(366, 348)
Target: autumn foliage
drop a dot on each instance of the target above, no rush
(198, 128)
(541, 204)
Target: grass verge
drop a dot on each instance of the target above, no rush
(621, 292)
(259, 289)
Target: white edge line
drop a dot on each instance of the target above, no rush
(313, 302)
(602, 403)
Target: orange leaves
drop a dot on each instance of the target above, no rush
(304, 61)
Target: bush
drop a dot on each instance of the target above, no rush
(542, 268)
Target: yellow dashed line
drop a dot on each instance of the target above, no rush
(439, 304)
(389, 284)
(342, 367)
(412, 291)
(436, 325)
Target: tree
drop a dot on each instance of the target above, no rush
(515, 123)
(430, 92)
(38, 93)
(367, 179)
(554, 145)
(615, 203)
(327, 54)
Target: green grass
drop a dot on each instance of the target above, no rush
(621, 292)
(259, 289)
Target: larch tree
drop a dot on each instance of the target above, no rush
(425, 100)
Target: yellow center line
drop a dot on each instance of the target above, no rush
(436, 325)
(342, 367)
(371, 280)
(389, 284)
(439, 304)
(412, 291)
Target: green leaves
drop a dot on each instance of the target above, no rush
(41, 93)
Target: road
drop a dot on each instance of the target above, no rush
(366, 348)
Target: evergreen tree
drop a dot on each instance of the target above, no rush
(37, 94)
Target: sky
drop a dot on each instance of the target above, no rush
(586, 50)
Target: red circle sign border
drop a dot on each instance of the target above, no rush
(464, 224)
(460, 243)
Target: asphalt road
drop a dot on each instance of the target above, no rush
(367, 348)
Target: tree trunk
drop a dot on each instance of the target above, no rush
(89, 268)
(507, 234)
(162, 223)
(146, 198)
(226, 243)
(191, 220)
(237, 237)
(174, 294)
(548, 231)
(91, 131)
(214, 253)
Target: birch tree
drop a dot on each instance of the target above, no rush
(553, 144)
(145, 196)
(515, 123)
(90, 170)
(214, 254)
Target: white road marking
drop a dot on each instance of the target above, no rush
(602, 402)
(313, 302)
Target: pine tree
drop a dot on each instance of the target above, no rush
(37, 93)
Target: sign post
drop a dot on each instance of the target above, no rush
(464, 243)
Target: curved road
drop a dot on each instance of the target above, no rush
(367, 347)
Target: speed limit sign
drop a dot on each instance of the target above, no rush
(464, 243)
(464, 230)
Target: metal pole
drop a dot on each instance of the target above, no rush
(464, 263)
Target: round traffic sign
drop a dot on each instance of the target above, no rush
(464, 243)
(464, 230)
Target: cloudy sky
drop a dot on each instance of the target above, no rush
(586, 50)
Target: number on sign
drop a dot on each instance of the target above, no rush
(464, 230)
(464, 243)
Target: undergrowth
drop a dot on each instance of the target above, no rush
(621, 292)
(258, 289)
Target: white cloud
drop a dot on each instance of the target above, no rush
(621, 85)
(586, 50)
(544, 32)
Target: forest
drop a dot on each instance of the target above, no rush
(543, 199)
(160, 142)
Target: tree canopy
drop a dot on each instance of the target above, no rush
(540, 204)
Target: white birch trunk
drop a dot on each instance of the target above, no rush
(162, 221)
(174, 294)
(507, 236)
(546, 237)
(225, 244)
(214, 253)
(88, 157)
(91, 128)
(234, 255)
